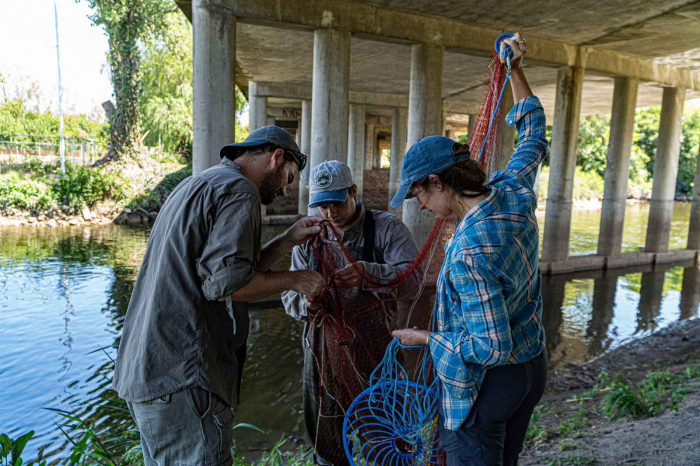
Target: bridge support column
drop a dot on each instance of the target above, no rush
(694, 228)
(557, 226)
(617, 167)
(356, 145)
(424, 119)
(214, 91)
(668, 148)
(305, 147)
(257, 108)
(399, 127)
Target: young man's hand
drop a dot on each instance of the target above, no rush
(517, 45)
(308, 283)
(303, 230)
(348, 275)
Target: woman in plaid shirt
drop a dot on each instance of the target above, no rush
(488, 349)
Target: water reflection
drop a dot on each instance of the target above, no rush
(588, 313)
(64, 295)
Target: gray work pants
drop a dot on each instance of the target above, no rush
(190, 427)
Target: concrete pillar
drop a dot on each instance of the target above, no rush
(617, 168)
(604, 291)
(557, 225)
(552, 314)
(399, 127)
(472, 122)
(370, 144)
(694, 227)
(305, 146)
(329, 104)
(650, 297)
(270, 121)
(257, 108)
(690, 292)
(424, 119)
(214, 91)
(356, 145)
(507, 132)
(668, 149)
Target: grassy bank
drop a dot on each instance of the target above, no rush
(33, 193)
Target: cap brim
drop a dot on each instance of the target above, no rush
(229, 148)
(324, 197)
(400, 195)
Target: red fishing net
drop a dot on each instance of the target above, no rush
(350, 333)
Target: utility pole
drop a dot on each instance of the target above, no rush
(62, 141)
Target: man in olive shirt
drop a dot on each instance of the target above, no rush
(183, 343)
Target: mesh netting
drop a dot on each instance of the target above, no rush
(351, 332)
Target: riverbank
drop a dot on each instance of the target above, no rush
(655, 379)
(127, 192)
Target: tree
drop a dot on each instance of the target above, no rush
(127, 24)
(166, 99)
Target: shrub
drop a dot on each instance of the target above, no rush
(18, 192)
(81, 186)
(658, 392)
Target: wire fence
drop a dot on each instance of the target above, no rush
(18, 149)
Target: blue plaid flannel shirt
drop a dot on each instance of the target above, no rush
(489, 291)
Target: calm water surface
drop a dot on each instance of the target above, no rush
(64, 294)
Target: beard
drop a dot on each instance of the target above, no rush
(271, 184)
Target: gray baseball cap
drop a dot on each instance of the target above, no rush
(329, 182)
(267, 135)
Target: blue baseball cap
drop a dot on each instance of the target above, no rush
(261, 136)
(329, 182)
(429, 155)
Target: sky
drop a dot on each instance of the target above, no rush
(28, 53)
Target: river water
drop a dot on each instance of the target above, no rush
(64, 294)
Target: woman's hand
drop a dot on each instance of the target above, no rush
(348, 275)
(412, 336)
(517, 45)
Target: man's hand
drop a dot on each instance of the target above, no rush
(348, 276)
(312, 304)
(308, 283)
(412, 336)
(303, 230)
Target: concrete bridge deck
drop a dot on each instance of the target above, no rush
(355, 80)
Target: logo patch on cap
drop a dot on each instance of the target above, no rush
(324, 179)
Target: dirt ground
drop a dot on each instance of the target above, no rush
(672, 438)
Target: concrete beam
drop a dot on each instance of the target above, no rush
(384, 24)
(461, 108)
(302, 92)
(214, 98)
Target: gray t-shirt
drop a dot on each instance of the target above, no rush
(204, 245)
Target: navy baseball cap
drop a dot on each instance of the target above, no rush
(267, 135)
(329, 182)
(429, 155)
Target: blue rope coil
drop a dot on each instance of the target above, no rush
(394, 421)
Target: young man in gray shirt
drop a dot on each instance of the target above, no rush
(384, 249)
(183, 343)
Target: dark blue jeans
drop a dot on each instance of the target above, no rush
(494, 432)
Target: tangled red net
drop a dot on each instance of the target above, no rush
(352, 329)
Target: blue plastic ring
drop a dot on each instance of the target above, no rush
(497, 44)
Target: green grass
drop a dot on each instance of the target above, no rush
(657, 393)
(571, 460)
